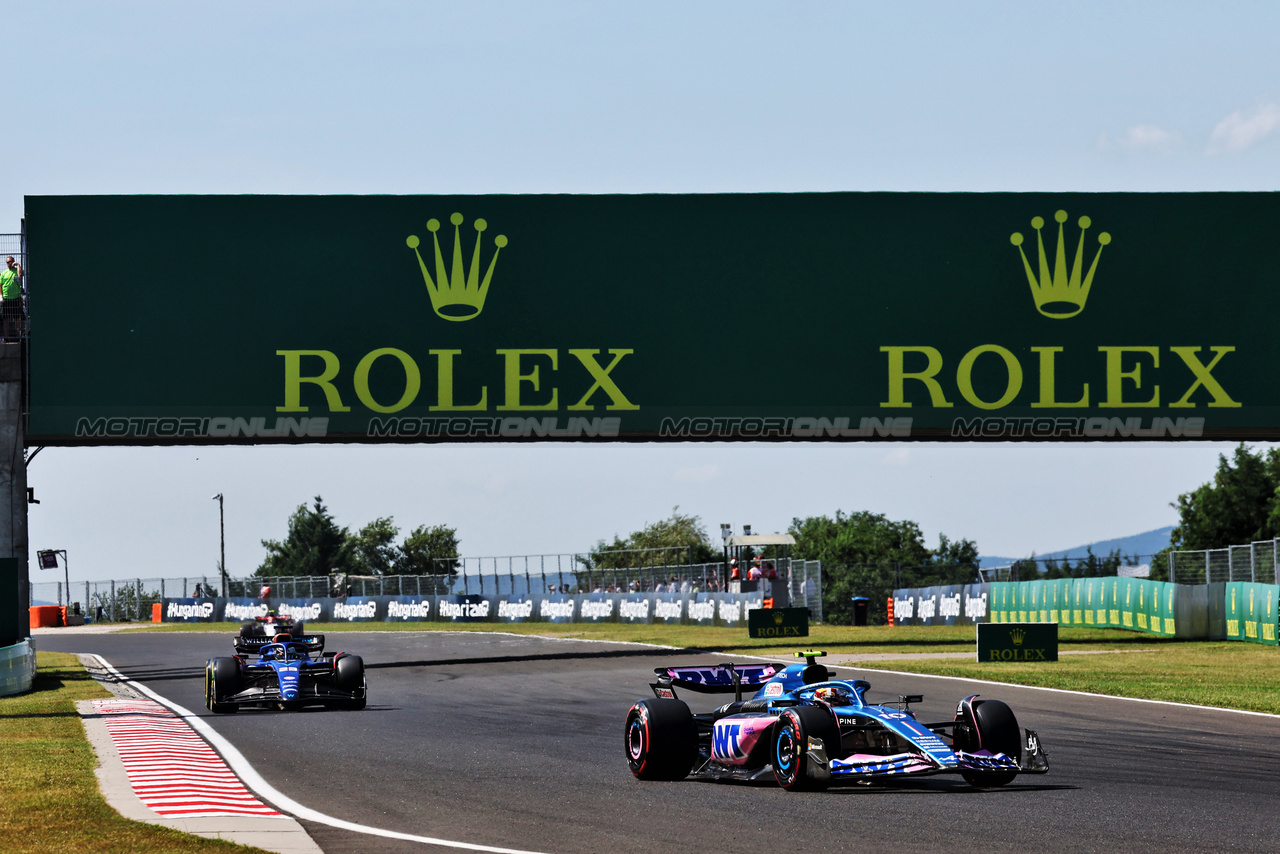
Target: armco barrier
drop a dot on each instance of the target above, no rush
(703, 609)
(1221, 610)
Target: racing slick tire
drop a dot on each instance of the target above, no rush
(790, 755)
(348, 673)
(993, 728)
(661, 740)
(251, 630)
(221, 679)
(348, 676)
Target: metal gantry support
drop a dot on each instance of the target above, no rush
(222, 542)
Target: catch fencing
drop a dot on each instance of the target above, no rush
(1254, 563)
(529, 575)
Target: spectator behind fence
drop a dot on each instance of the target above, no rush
(11, 294)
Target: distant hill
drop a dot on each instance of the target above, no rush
(1142, 545)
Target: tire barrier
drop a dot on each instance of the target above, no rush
(17, 668)
(1242, 611)
(701, 609)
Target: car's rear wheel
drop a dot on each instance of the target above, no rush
(791, 765)
(992, 727)
(221, 680)
(661, 740)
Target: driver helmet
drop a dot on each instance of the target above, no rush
(832, 694)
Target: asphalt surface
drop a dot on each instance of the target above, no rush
(518, 742)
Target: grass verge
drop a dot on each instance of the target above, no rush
(1228, 675)
(49, 796)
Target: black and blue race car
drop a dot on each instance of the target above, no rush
(807, 730)
(282, 672)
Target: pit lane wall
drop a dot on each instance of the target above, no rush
(704, 609)
(1232, 611)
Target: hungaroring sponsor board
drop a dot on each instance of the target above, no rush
(817, 317)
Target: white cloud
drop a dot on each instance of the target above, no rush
(1244, 128)
(1141, 137)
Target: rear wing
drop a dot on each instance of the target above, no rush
(716, 679)
(251, 646)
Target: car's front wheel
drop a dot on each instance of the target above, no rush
(790, 754)
(221, 680)
(991, 727)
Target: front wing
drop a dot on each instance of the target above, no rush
(261, 687)
(867, 766)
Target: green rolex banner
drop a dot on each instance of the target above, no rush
(595, 318)
(1017, 642)
(1251, 611)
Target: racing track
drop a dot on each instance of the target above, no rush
(517, 742)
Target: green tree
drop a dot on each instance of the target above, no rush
(374, 550)
(1238, 506)
(314, 545)
(682, 539)
(865, 554)
(429, 551)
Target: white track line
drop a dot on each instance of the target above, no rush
(251, 778)
(1065, 691)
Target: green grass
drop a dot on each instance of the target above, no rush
(49, 797)
(1208, 673)
(1229, 675)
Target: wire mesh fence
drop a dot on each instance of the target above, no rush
(877, 581)
(121, 600)
(13, 314)
(1253, 562)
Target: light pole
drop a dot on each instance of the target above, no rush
(222, 541)
(49, 560)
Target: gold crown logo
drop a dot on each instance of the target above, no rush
(457, 294)
(1058, 294)
(1017, 636)
(777, 617)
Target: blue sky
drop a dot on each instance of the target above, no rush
(485, 97)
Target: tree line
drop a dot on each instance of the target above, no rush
(316, 545)
(862, 553)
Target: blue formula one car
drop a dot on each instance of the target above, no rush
(809, 731)
(281, 672)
